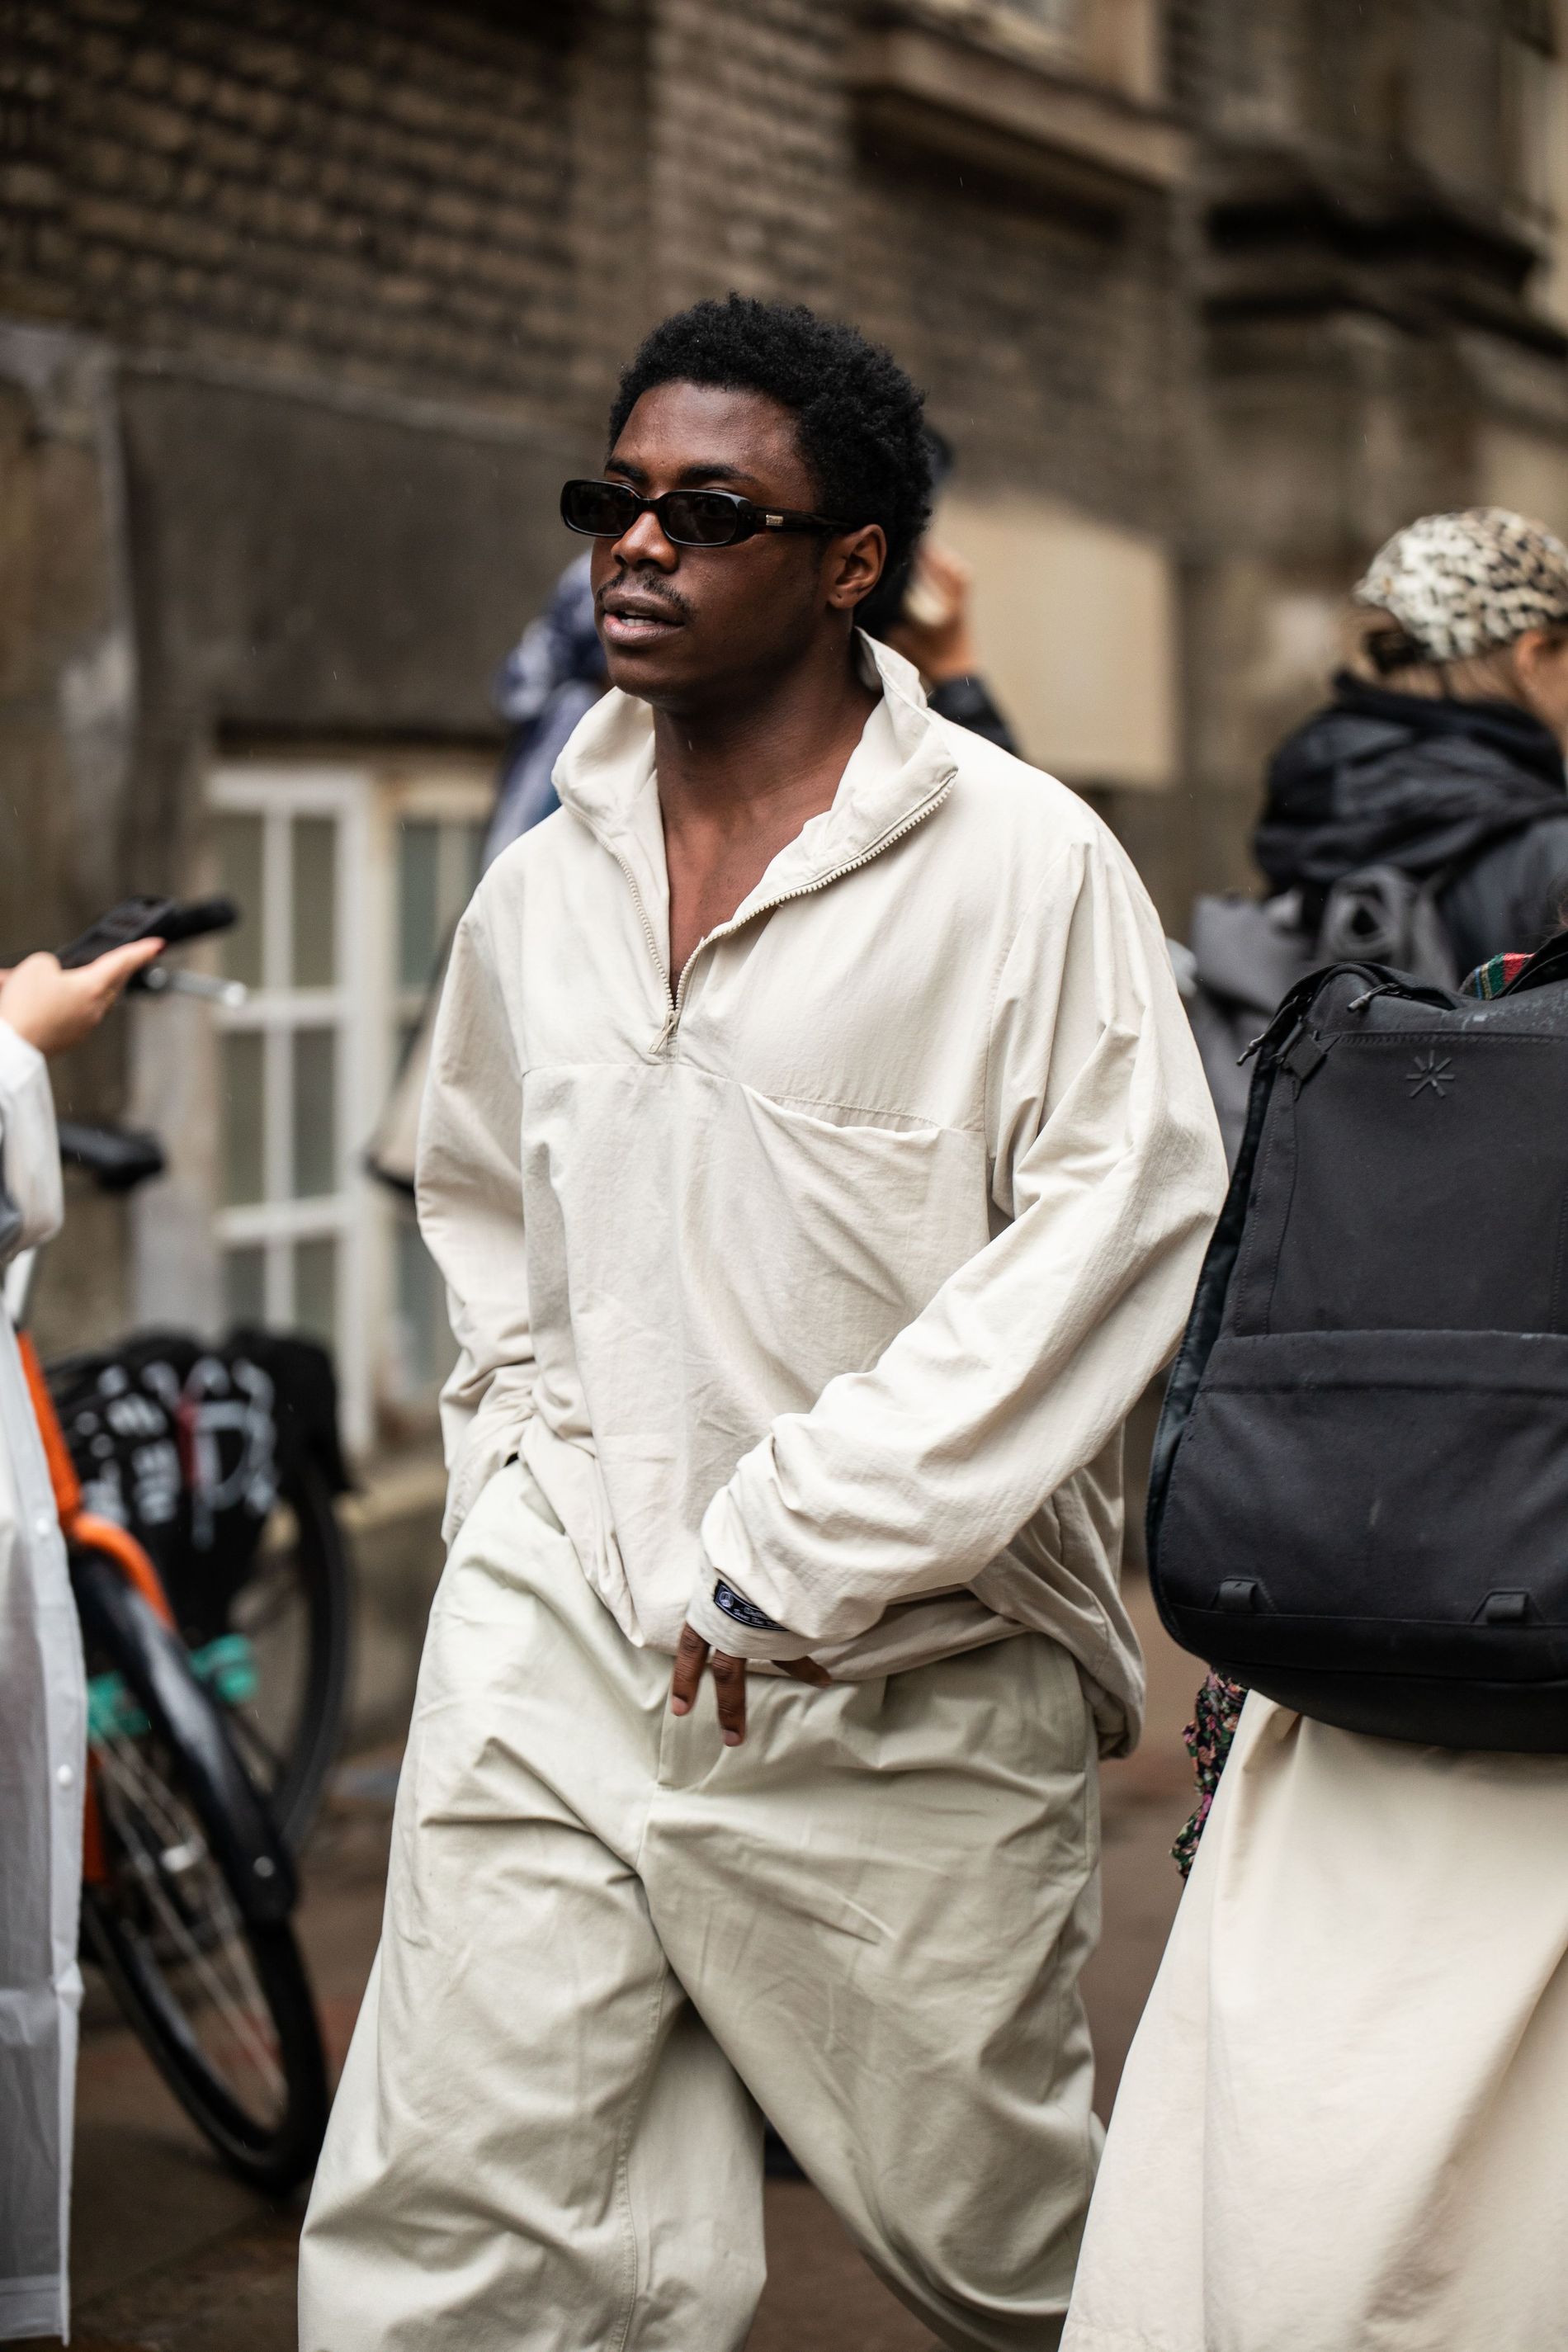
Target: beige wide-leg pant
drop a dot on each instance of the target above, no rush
(606, 1934)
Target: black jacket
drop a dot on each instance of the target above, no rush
(1475, 790)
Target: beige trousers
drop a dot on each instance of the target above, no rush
(606, 1934)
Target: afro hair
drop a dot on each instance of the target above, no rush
(858, 415)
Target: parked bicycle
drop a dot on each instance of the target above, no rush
(188, 1882)
(224, 1460)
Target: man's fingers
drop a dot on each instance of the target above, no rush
(806, 1670)
(691, 1656)
(729, 1682)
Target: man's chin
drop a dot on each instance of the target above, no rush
(649, 669)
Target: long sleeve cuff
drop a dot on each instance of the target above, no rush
(727, 1621)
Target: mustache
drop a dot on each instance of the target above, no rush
(669, 600)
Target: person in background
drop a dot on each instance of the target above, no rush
(553, 676)
(934, 632)
(920, 608)
(1441, 753)
(43, 1700)
(1341, 2122)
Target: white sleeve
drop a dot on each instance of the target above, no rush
(31, 1198)
(469, 1191)
(911, 1477)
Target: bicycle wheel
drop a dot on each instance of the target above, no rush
(293, 1613)
(215, 1990)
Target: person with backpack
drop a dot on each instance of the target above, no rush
(1341, 2122)
(1420, 818)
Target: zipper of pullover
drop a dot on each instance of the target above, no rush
(677, 995)
(806, 890)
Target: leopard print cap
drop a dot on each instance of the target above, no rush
(1458, 584)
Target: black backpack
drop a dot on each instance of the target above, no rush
(1359, 1499)
(1247, 954)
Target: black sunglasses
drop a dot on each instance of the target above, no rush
(687, 518)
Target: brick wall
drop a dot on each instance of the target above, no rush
(1043, 343)
(384, 189)
(751, 155)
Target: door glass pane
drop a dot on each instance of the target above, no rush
(240, 1069)
(245, 1285)
(418, 901)
(315, 1113)
(239, 870)
(316, 1288)
(314, 869)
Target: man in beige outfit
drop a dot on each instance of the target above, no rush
(819, 1163)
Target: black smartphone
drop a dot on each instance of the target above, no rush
(149, 918)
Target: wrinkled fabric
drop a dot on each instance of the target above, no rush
(835, 1277)
(1340, 2123)
(606, 1934)
(43, 1761)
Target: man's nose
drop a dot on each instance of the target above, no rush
(645, 542)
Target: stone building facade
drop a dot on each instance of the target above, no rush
(305, 310)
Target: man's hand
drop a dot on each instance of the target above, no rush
(729, 1681)
(55, 1010)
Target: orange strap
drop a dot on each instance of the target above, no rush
(57, 1452)
(84, 1528)
(88, 1532)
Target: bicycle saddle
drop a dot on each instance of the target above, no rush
(118, 1159)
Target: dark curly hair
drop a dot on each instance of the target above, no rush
(858, 415)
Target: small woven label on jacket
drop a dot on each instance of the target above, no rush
(745, 1612)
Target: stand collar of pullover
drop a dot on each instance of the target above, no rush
(901, 768)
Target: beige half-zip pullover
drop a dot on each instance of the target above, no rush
(824, 1284)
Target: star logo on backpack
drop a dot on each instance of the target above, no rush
(1431, 1070)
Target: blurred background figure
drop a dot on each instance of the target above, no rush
(924, 612)
(1441, 751)
(553, 674)
(44, 1012)
(1421, 818)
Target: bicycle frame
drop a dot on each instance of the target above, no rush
(115, 1543)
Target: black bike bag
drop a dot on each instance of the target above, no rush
(1358, 1502)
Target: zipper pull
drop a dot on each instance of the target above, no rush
(662, 1040)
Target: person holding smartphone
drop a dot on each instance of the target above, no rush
(44, 1011)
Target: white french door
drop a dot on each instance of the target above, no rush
(300, 1065)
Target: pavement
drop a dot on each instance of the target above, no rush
(172, 2255)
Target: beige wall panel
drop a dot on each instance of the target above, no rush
(1075, 625)
(1527, 471)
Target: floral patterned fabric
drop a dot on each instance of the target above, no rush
(1215, 1714)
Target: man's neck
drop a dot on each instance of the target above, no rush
(743, 763)
(737, 784)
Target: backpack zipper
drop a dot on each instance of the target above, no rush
(737, 923)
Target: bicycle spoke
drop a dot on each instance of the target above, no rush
(159, 1838)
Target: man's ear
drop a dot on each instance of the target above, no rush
(855, 562)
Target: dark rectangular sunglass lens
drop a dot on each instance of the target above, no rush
(603, 509)
(699, 518)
